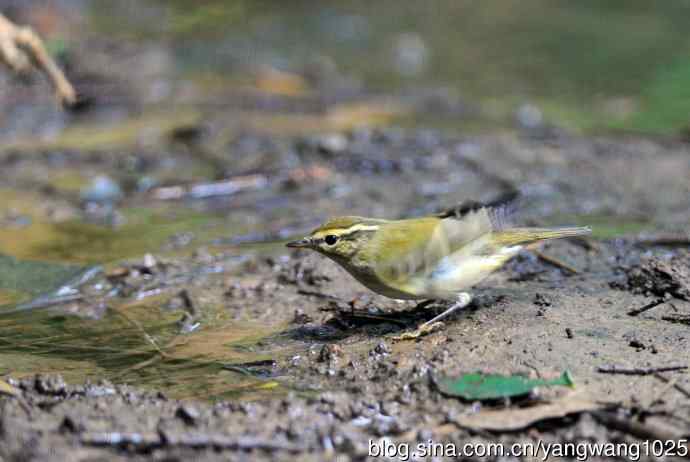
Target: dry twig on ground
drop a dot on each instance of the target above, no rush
(613, 369)
(21, 49)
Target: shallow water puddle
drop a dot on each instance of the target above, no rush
(43, 323)
(137, 343)
(20, 280)
(145, 230)
(11, 297)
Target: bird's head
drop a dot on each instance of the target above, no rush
(340, 238)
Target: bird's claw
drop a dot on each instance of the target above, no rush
(424, 329)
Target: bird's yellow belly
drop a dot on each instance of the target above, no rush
(448, 276)
(445, 281)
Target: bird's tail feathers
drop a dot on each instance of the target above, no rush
(526, 236)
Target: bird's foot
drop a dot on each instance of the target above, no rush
(435, 324)
(424, 329)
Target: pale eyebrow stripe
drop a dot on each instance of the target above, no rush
(346, 232)
(361, 227)
(351, 229)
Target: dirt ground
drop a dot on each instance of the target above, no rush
(589, 306)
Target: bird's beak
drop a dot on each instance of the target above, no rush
(302, 243)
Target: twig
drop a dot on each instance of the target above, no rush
(638, 370)
(670, 240)
(586, 242)
(647, 307)
(149, 441)
(145, 363)
(678, 319)
(684, 391)
(192, 314)
(157, 356)
(246, 368)
(669, 384)
(21, 45)
(145, 334)
(555, 261)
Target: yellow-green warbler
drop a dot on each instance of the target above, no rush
(433, 257)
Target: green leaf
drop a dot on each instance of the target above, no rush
(477, 386)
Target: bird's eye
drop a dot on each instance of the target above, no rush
(331, 239)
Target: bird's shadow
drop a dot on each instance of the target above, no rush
(370, 321)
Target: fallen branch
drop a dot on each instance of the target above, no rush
(638, 370)
(20, 47)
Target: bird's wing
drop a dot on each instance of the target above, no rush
(500, 209)
(408, 250)
(469, 220)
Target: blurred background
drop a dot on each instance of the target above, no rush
(587, 65)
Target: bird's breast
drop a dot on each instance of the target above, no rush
(371, 280)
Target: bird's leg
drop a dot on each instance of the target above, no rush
(464, 299)
(435, 323)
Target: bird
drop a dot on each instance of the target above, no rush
(435, 257)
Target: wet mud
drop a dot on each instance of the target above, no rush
(314, 370)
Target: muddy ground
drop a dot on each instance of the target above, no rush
(197, 334)
(341, 378)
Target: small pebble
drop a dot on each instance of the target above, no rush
(102, 190)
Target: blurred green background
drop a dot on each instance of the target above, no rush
(590, 65)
